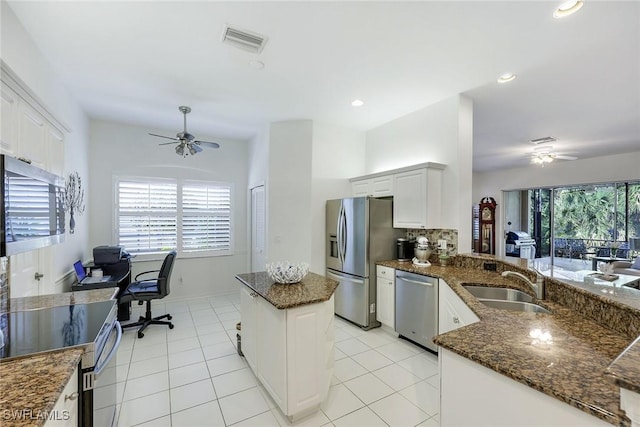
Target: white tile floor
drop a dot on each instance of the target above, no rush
(192, 375)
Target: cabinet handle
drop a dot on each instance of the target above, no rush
(72, 396)
(383, 272)
(456, 320)
(253, 295)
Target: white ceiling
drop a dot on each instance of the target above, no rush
(136, 62)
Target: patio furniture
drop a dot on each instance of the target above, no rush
(627, 267)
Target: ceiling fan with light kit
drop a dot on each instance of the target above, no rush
(187, 143)
(545, 154)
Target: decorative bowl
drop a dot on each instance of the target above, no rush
(286, 272)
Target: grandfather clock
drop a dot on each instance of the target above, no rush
(487, 219)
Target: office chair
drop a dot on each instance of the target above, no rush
(147, 290)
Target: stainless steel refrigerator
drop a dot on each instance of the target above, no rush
(359, 233)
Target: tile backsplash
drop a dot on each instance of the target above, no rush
(450, 235)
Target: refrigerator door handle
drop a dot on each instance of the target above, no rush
(344, 235)
(339, 234)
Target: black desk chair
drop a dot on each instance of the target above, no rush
(150, 289)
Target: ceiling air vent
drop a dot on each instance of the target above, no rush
(243, 39)
(542, 140)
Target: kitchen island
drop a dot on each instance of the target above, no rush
(287, 338)
(587, 330)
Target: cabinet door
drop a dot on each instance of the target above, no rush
(361, 188)
(271, 351)
(65, 411)
(453, 313)
(9, 122)
(306, 356)
(386, 301)
(410, 199)
(55, 147)
(248, 310)
(382, 186)
(32, 135)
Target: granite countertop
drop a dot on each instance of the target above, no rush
(59, 300)
(570, 368)
(625, 370)
(312, 289)
(32, 385)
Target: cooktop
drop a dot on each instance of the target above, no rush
(35, 331)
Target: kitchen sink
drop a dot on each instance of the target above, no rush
(514, 306)
(503, 294)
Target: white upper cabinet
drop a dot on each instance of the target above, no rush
(417, 198)
(33, 136)
(380, 186)
(29, 130)
(409, 199)
(416, 191)
(9, 130)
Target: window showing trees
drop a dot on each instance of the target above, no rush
(583, 218)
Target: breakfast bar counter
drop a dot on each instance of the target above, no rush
(569, 365)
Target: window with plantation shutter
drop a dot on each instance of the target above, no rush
(147, 215)
(206, 217)
(155, 215)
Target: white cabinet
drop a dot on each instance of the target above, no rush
(249, 308)
(290, 351)
(417, 198)
(385, 296)
(28, 129)
(65, 411)
(9, 122)
(416, 191)
(492, 399)
(379, 186)
(453, 313)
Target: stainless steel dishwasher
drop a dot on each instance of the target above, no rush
(417, 308)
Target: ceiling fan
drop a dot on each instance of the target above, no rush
(187, 143)
(543, 155)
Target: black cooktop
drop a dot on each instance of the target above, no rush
(36, 331)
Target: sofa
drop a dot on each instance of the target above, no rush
(627, 267)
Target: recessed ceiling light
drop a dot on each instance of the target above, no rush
(505, 78)
(568, 8)
(357, 103)
(258, 65)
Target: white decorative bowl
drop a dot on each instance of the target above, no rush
(287, 272)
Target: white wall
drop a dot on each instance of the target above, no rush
(338, 154)
(21, 54)
(442, 133)
(119, 149)
(289, 191)
(622, 167)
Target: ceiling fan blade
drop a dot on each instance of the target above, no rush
(196, 148)
(169, 143)
(562, 157)
(208, 144)
(162, 136)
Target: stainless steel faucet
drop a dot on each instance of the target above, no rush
(538, 287)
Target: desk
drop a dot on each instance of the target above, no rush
(120, 273)
(607, 259)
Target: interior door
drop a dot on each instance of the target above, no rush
(258, 228)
